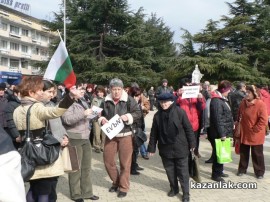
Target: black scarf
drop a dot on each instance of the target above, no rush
(168, 129)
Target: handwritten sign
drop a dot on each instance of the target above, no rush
(190, 91)
(96, 110)
(113, 127)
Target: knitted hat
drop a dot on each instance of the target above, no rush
(165, 96)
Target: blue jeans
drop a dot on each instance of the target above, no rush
(143, 150)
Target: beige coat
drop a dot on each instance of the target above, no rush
(39, 113)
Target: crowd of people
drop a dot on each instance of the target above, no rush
(177, 126)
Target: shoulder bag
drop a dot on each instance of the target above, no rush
(237, 128)
(41, 150)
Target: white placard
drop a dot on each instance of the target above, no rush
(190, 91)
(96, 110)
(113, 127)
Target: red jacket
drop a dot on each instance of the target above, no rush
(265, 97)
(193, 108)
(253, 123)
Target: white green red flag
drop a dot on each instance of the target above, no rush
(60, 67)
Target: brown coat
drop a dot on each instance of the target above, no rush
(146, 104)
(253, 123)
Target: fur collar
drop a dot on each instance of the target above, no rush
(124, 97)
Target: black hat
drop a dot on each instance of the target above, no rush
(3, 86)
(165, 96)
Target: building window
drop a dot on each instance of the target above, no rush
(14, 63)
(3, 26)
(14, 30)
(44, 38)
(3, 44)
(43, 52)
(25, 64)
(4, 61)
(14, 46)
(25, 32)
(24, 49)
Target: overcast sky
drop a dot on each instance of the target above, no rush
(188, 14)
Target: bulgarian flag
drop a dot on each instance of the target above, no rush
(60, 67)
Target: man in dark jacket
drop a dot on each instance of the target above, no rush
(221, 124)
(164, 88)
(173, 133)
(236, 98)
(11, 183)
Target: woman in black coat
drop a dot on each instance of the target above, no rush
(221, 124)
(173, 133)
(13, 103)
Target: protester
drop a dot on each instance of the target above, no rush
(118, 102)
(89, 93)
(173, 133)
(136, 93)
(151, 95)
(205, 90)
(236, 98)
(31, 90)
(13, 102)
(221, 124)
(193, 108)
(76, 122)
(11, 183)
(3, 105)
(55, 126)
(206, 119)
(254, 119)
(164, 88)
(145, 107)
(99, 136)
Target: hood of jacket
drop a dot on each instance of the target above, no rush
(264, 93)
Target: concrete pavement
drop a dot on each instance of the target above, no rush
(152, 185)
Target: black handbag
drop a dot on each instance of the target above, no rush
(27, 165)
(194, 168)
(40, 147)
(139, 137)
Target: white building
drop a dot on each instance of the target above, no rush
(23, 41)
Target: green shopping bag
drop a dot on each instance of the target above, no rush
(223, 150)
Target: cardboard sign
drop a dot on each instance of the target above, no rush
(190, 91)
(113, 127)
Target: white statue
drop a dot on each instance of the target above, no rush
(196, 75)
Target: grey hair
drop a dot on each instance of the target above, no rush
(240, 84)
(134, 84)
(116, 83)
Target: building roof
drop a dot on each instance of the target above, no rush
(18, 13)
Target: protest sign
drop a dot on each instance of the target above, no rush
(113, 127)
(190, 91)
(96, 110)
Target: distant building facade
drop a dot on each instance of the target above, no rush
(23, 41)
